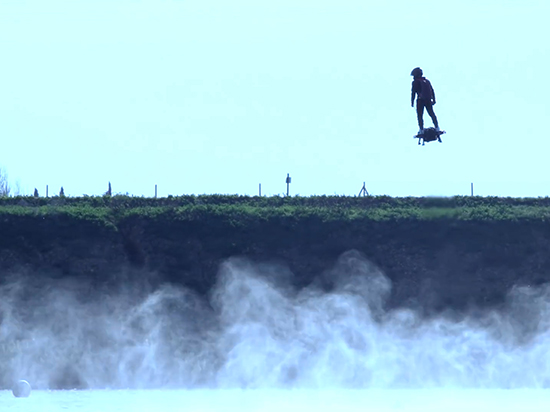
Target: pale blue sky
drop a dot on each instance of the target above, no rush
(212, 96)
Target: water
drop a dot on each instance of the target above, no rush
(424, 400)
(256, 343)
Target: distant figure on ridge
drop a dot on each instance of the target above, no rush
(426, 98)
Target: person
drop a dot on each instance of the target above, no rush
(426, 98)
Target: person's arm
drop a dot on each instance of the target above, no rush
(412, 94)
(433, 94)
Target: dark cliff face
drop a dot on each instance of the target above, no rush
(432, 264)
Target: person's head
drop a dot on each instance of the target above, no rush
(417, 72)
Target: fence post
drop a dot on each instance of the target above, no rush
(288, 183)
(46, 190)
(155, 191)
(260, 190)
(472, 189)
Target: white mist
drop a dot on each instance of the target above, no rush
(255, 331)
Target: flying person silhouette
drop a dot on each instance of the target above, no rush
(422, 88)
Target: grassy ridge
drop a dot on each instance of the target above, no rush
(108, 210)
(448, 252)
(276, 201)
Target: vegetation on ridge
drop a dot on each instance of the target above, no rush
(110, 209)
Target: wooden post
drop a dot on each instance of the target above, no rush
(288, 183)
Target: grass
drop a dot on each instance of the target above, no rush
(107, 210)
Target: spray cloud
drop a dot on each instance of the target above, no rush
(254, 330)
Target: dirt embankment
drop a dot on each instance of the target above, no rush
(435, 264)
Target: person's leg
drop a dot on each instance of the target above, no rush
(430, 110)
(420, 113)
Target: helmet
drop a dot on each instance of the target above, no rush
(417, 72)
